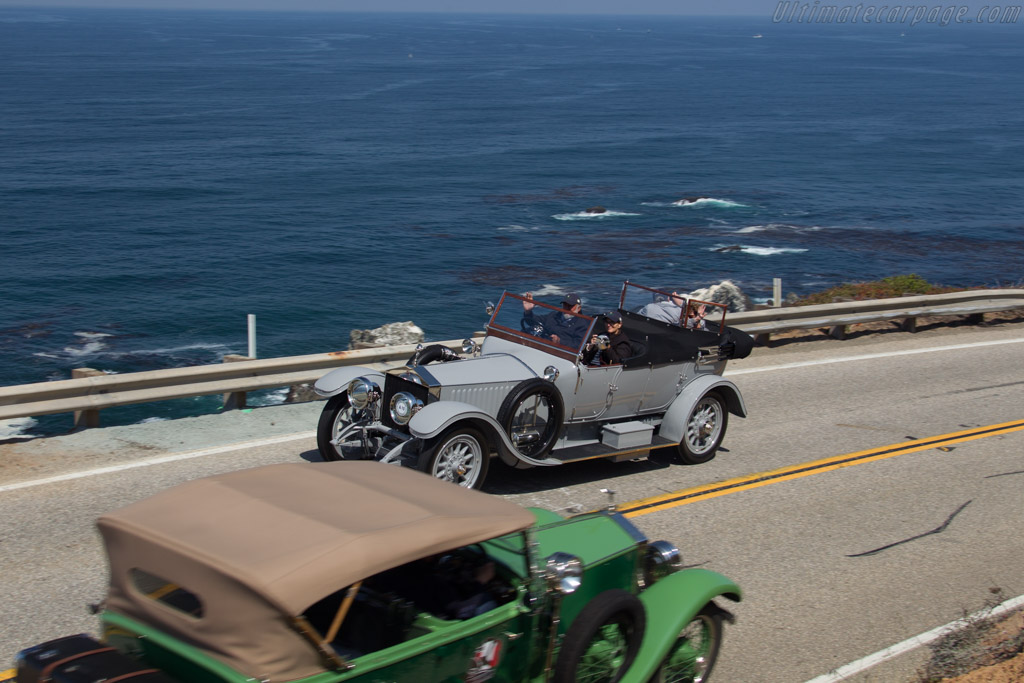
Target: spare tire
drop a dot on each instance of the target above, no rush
(532, 416)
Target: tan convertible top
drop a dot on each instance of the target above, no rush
(257, 543)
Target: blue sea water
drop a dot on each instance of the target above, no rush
(163, 174)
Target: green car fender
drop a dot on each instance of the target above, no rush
(670, 605)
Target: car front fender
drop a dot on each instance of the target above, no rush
(434, 418)
(673, 425)
(670, 604)
(335, 381)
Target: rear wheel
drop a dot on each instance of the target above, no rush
(338, 434)
(696, 648)
(603, 640)
(705, 429)
(460, 455)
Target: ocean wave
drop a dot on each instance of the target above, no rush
(586, 215)
(708, 202)
(777, 227)
(147, 420)
(549, 290)
(90, 344)
(756, 251)
(272, 397)
(16, 428)
(171, 351)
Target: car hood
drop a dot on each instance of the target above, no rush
(486, 369)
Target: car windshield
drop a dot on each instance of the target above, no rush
(541, 325)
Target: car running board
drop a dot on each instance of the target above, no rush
(595, 450)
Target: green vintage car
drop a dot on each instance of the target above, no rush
(360, 571)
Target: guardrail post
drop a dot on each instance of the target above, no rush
(234, 400)
(86, 418)
(837, 331)
(909, 324)
(763, 339)
(777, 292)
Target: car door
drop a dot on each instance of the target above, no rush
(609, 391)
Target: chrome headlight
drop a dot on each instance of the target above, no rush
(550, 373)
(403, 406)
(564, 572)
(469, 346)
(661, 559)
(362, 392)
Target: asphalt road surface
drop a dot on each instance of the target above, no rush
(839, 557)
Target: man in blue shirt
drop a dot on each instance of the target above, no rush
(564, 327)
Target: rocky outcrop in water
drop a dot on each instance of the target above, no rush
(392, 334)
(725, 292)
(596, 209)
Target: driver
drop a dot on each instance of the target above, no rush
(561, 327)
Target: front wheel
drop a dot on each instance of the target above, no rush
(705, 429)
(603, 640)
(696, 648)
(338, 434)
(460, 455)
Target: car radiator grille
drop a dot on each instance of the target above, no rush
(392, 385)
(487, 398)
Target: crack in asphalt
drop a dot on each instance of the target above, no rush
(1004, 474)
(937, 530)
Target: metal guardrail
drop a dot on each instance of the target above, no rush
(86, 396)
(836, 317)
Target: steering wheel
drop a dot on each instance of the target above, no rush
(534, 328)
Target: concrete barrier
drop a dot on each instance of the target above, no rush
(90, 391)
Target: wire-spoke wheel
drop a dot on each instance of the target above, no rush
(705, 429)
(460, 456)
(603, 640)
(696, 648)
(339, 433)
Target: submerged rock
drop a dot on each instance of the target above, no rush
(392, 334)
(596, 209)
(731, 247)
(725, 292)
(301, 393)
(689, 200)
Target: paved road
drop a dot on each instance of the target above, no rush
(836, 563)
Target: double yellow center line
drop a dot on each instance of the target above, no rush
(666, 501)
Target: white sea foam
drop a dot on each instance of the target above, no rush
(709, 202)
(88, 349)
(778, 226)
(152, 419)
(760, 251)
(549, 290)
(274, 397)
(170, 351)
(17, 428)
(586, 216)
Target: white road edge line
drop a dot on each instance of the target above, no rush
(853, 668)
(146, 462)
(294, 437)
(870, 356)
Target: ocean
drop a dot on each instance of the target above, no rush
(165, 173)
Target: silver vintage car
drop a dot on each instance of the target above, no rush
(535, 391)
